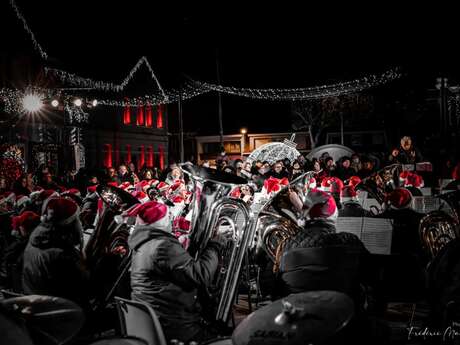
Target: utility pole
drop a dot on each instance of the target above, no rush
(221, 128)
(181, 128)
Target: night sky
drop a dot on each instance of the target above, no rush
(270, 46)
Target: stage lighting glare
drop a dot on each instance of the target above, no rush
(55, 103)
(78, 102)
(94, 103)
(32, 103)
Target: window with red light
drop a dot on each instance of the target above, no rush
(107, 155)
(148, 116)
(141, 157)
(162, 157)
(140, 115)
(127, 115)
(160, 117)
(150, 156)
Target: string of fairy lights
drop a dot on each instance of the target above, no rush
(33, 98)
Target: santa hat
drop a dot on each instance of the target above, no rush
(141, 196)
(326, 185)
(311, 183)
(28, 220)
(403, 176)
(273, 184)
(336, 185)
(91, 189)
(354, 181)
(181, 223)
(112, 184)
(348, 193)
(60, 211)
(126, 186)
(322, 205)
(73, 191)
(162, 186)
(414, 180)
(7, 197)
(45, 196)
(153, 213)
(235, 193)
(399, 198)
(142, 185)
(153, 182)
(22, 200)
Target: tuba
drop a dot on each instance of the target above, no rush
(440, 227)
(211, 208)
(278, 218)
(381, 182)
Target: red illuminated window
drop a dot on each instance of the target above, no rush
(150, 156)
(162, 157)
(128, 154)
(148, 116)
(127, 115)
(160, 117)
(107, 155)
(141, 156)
(140, 115)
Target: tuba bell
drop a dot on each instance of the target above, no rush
(440, 227)
(278, 219)
(211, 208)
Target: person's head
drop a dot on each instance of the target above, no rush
(278, 167)
(111, 172)
(135, 178)
(395, 152)
(287, 162)
(92, 179)
(132, 167)
(246, 190)
(122, 169)
(355, 158)
(329, 161)
(47, 177)
(176, 173)
(2, 182)
(247, 166)
(148, 175)
(368, 164)
(296, 165)
(348, 193)
(259, 164)
(346, 162)
(238, 164)
(322, 206)
(316, 165)
(151, 213)
(266, 165)
(406, 143)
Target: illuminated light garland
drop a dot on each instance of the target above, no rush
(76, 114)
(315, 92)
(75, 80)
(37, 46)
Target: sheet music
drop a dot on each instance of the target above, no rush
(445, 182)
(424, 166)
(425, 204)
(408, 167)
(353, 225)
(377, 234)
(418, 204)
(362, 195)
(426, 191)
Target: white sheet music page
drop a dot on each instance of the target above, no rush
(371, 202)
(353, 225)
(377, 234)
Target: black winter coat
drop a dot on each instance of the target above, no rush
(166, 276)
(318, 258)
(53, 267)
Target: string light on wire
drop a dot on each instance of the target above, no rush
(75, 80)
(19, 15)
(316, 92)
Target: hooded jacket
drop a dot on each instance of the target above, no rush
(52, 265)
(164, 275)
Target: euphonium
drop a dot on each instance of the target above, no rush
(381, 182)
(438, 228)
(212, 208)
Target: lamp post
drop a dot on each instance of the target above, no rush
(243, 132)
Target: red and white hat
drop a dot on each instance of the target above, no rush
(141, 196)
(60, 211)
(21, 200)
(112, 184)
(28, 220)
(45, 196)
(73, 191)
(126, 186)
(322, 205)
(273, 184)
(336, 185)
(403, 176)
(348, 193)
(91, 189)
(325, 185)
(414, 180)
(152, 213)
(399, 198)
(162, 187)
(142, 185)
(354, 181)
